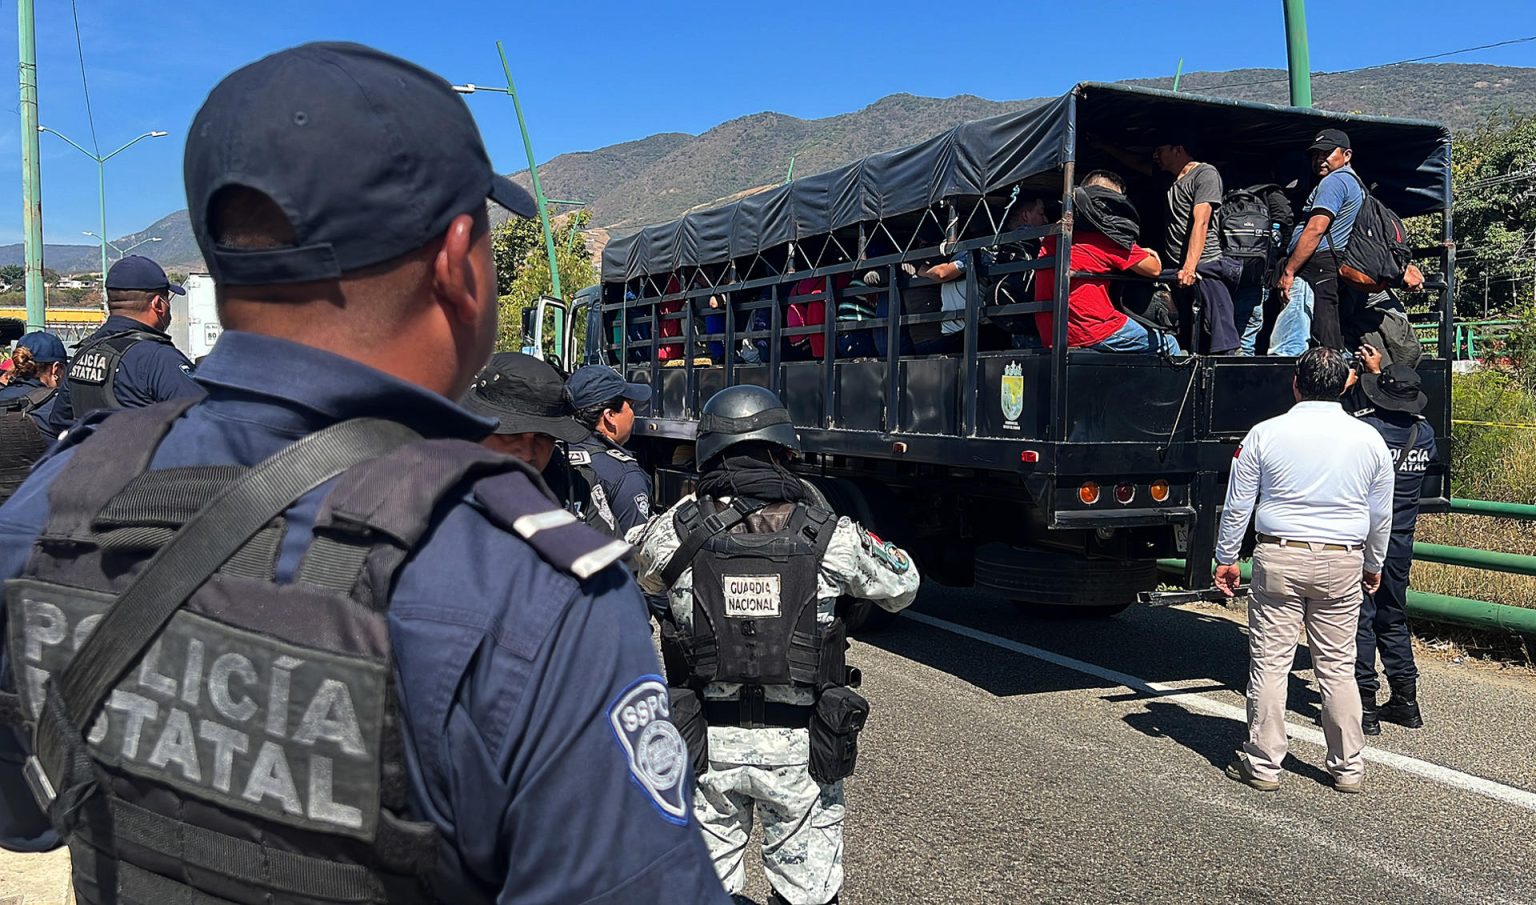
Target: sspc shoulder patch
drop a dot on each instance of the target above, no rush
(654, 749)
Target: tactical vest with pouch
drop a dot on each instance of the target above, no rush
(21, 442)
(92, 374)
(203, 734)
(755, 600)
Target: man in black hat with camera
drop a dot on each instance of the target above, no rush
(129, 361)
(1392, 401)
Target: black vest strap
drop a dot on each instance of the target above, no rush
(119, 451)
(696, 532)
(199, 548)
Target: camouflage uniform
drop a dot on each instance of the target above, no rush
(802, 819)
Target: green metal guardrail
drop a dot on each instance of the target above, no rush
(1459, 610)
(1435, 607)
(1469, 337)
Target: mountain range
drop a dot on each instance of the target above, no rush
(631, 184)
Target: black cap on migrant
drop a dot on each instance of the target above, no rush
(1328, 139)
(369, 156)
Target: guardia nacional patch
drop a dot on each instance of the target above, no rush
(892, 556)
(654, 749)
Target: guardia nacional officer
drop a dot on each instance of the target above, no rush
(129, 361)
(415, 679)
(1393, 401)
(753, 572)
(605, 407)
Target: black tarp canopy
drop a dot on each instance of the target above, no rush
(1406, 162)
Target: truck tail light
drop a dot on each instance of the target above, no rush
(1160, 491)
(1029, 456)
(1124, 493)
(1088, 493)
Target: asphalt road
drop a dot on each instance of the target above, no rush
(1022, 759)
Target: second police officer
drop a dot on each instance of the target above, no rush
(605, 406)
(129, 361)
(1393, 401)
(386, 668)
(753, 571)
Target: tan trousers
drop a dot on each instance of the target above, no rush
(1294, 586)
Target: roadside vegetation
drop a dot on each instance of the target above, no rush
(1487, 463)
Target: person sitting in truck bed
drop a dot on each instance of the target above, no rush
(1104, 241)
(951, 273)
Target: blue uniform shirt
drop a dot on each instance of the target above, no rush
(624, 482)
(1409, 467)
(1339, 195)
(150, 372)
(511, 672)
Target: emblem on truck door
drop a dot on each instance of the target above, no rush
(1012, 395)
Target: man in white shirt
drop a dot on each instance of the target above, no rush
(1322, 482)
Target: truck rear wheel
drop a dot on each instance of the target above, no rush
(1063, 583)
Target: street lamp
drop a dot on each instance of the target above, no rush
(101, 181)
(533, 169)
(121, 252)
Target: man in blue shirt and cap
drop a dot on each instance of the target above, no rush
(129, 361)
(605, 406)
(305, 640)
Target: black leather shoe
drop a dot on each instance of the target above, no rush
(1403, 707)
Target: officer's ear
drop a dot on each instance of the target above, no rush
(462, 282)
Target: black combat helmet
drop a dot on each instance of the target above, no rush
(738, 414)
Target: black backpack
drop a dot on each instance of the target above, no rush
(1377, 253)
(1243, 223)
(21, 442)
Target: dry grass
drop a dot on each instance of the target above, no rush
(1483, 533)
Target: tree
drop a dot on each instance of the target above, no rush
(530, 279)
(1494, 180)
(11, 274)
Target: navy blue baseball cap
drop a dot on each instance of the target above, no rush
(368, 155)
(139, 272)
(45, 347)
(597, 384)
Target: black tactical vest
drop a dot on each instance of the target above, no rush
(596, 510)
(93, 371)
(754, 593)
(254, 755)
(21, 443)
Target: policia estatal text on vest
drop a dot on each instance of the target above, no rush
(305, 640)
(753, 572)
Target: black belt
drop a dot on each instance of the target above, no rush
(750, 713)
(1283, 542)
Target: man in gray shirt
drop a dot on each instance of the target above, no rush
(1205, 277)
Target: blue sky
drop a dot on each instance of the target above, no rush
(609, 71)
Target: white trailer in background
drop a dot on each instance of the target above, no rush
(195, 323)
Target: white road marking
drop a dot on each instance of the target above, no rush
(1498, 791)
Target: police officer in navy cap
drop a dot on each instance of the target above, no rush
(306, 640)
(129, 361)
(605, 408)
(1392, 400)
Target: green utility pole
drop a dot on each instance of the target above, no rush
(31, 177)
(533, 175)
(790, 176)
(1177, 74)
(1297, 59)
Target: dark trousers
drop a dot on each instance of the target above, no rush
(1334, 303)
(1384, 628)
(1213, 292)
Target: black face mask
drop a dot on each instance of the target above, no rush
(750, 472)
